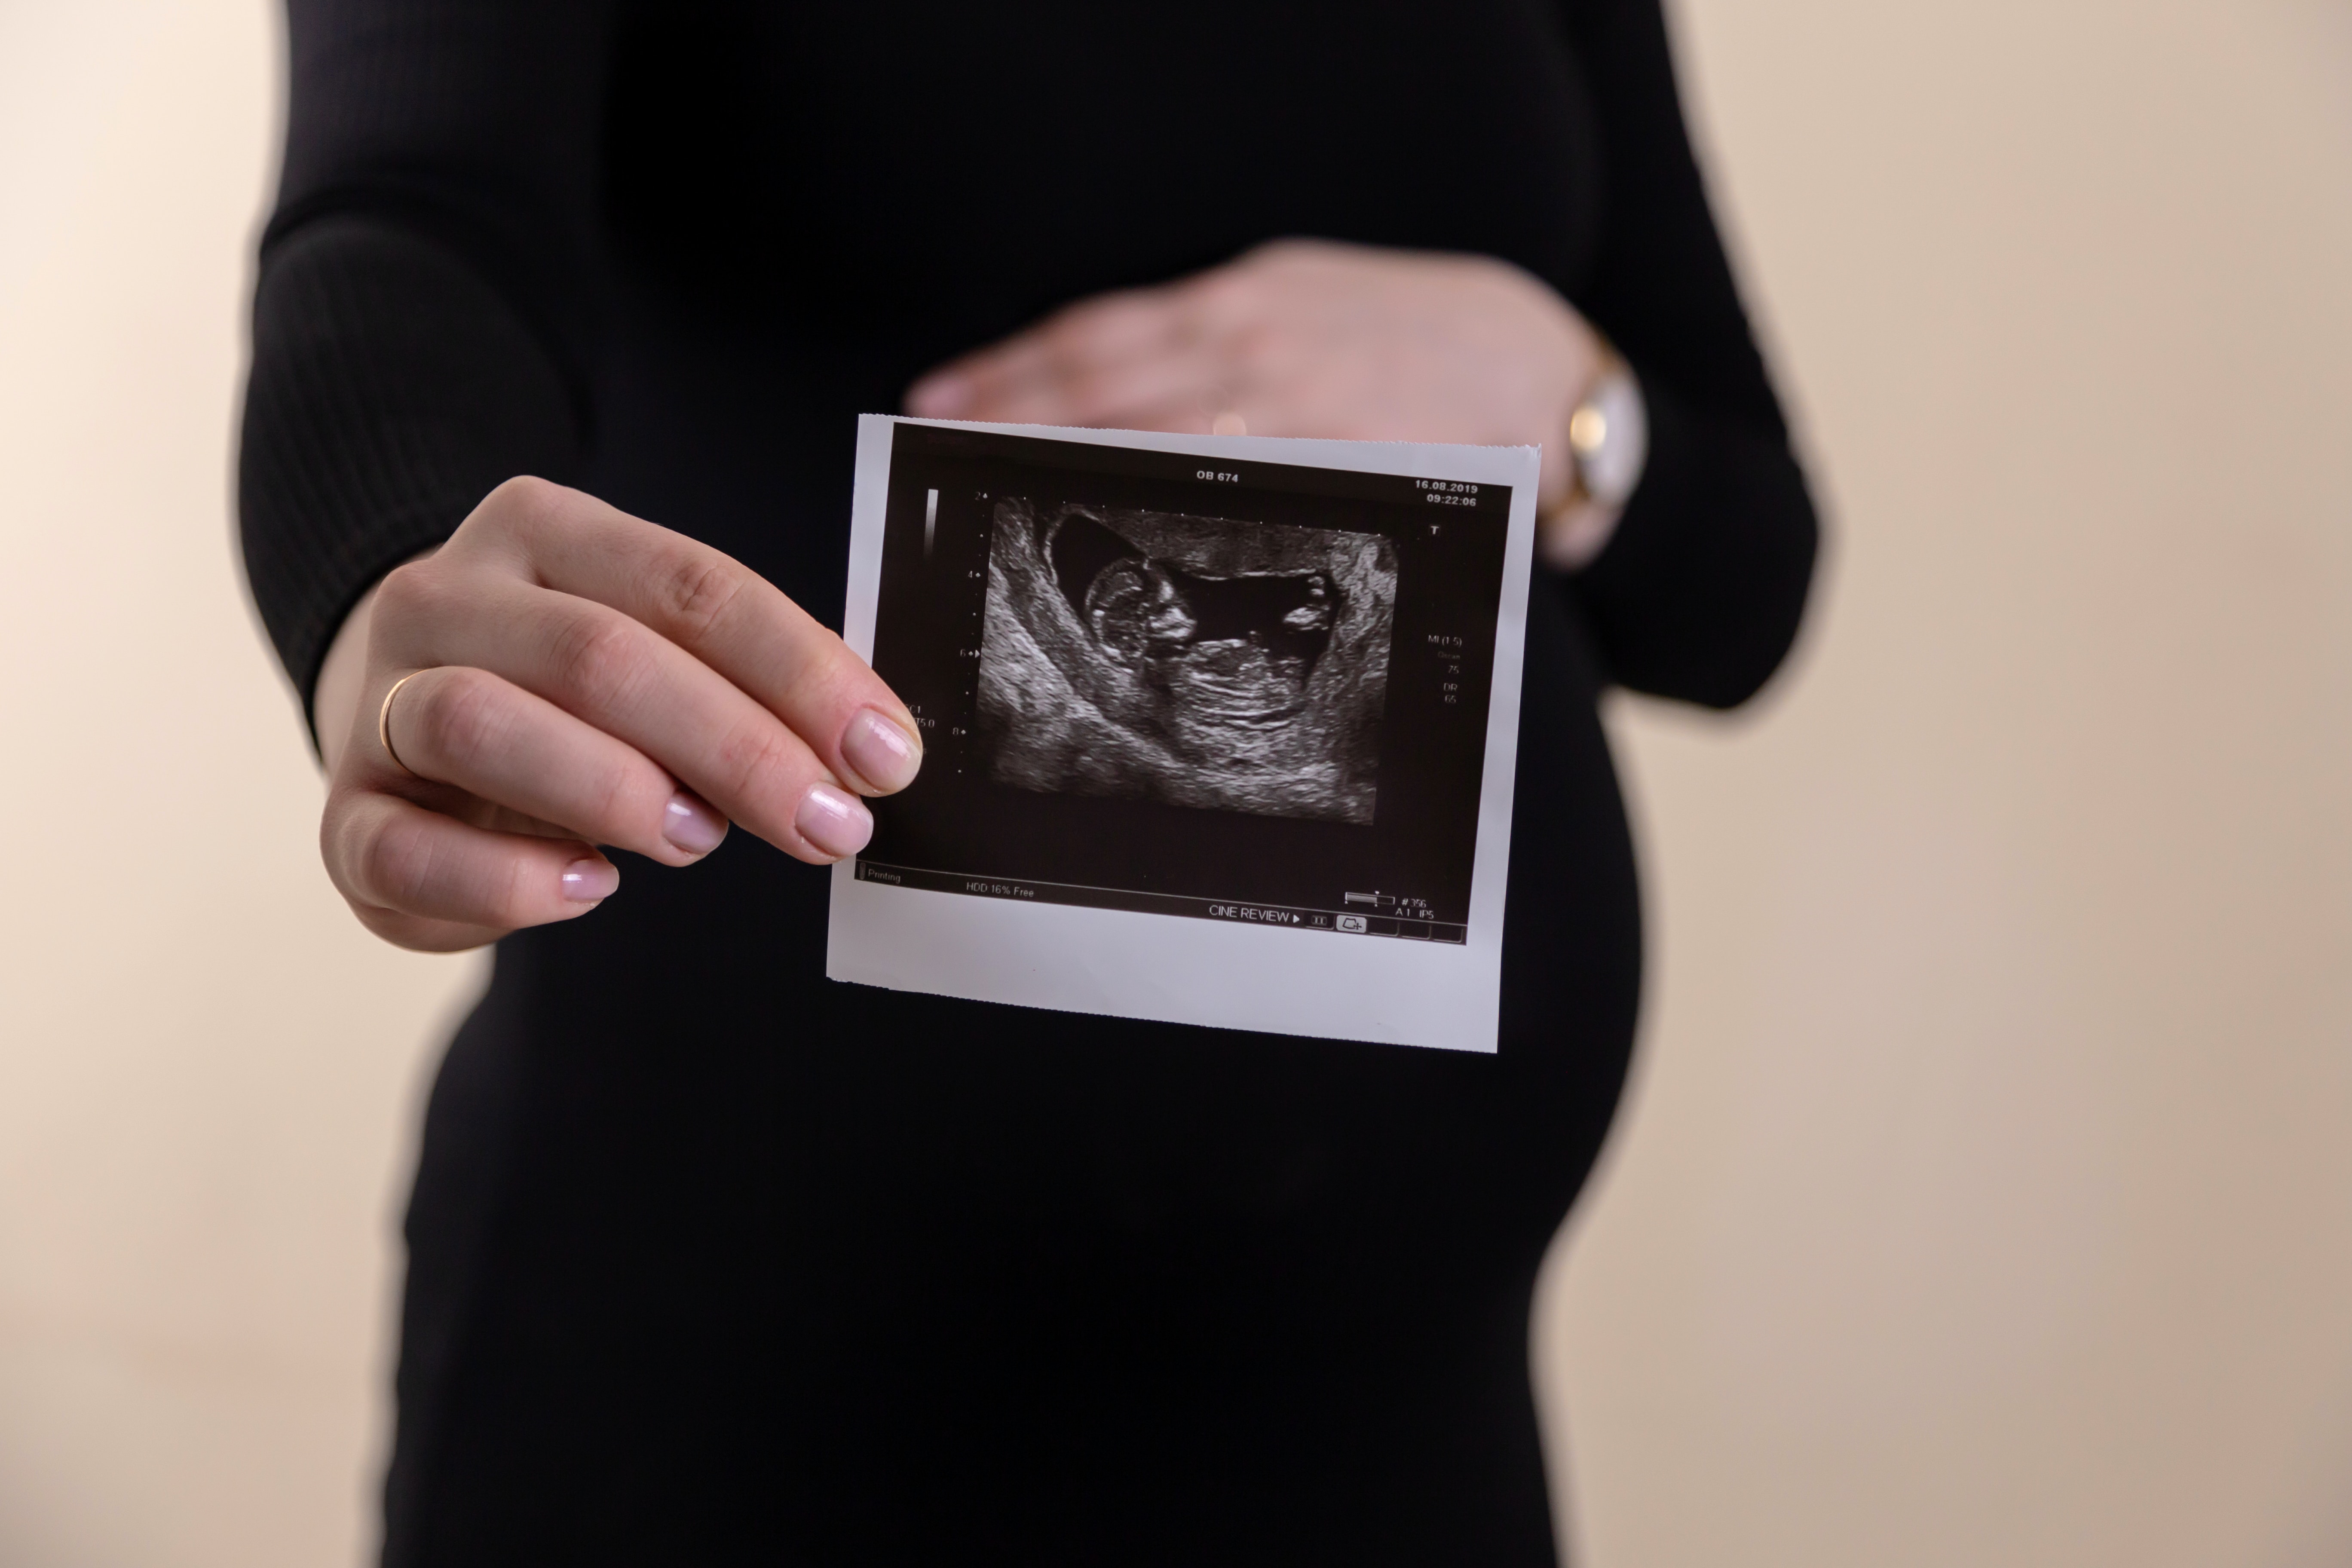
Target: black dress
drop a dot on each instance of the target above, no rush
(714, 1260)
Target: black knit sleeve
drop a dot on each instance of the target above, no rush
(425, 315)
(1699, 593)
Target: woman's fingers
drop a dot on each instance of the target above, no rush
(1184, 388)
(1305, 338)
(722, 614)
(563, 670)
(1118, 328)
(471, 729)
(394, 858)
(1105, 362)
(618, 676)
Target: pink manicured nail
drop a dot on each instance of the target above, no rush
(941, 396)
(833, 820)
(585, 881)
(885, 755)
(692, 826)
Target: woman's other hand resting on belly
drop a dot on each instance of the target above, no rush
(1311, 338)
(570, 676)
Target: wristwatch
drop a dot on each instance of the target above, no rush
(1609, 437)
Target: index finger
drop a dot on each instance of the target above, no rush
(1086, 338)
(728, 616)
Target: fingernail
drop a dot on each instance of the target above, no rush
(884, 755)
(941, 396)
(835, 820)
(692, 826)
(586, 881)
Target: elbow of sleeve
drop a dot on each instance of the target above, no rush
(1743, 624)
(1700, 595)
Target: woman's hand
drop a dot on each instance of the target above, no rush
(1302, 338)
(570, 676)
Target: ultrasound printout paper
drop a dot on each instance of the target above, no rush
(1218, 729)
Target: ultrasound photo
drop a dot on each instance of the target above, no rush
(1197, 661)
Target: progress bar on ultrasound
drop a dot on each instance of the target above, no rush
(1336, 921)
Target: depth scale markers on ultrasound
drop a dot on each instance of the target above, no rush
(1249, 687)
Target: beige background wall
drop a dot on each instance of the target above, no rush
(1986, 1197)
(1986, 1192)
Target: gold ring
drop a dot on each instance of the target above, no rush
(384, 724)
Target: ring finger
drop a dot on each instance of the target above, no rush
(489, 736)
(621, 679)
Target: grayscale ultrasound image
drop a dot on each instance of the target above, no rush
(1197, 661)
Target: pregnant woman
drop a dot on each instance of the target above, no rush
(563, 319)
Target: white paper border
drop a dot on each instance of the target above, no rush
(1179, 968)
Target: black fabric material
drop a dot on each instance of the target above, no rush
(393, 390)
(713, 1260)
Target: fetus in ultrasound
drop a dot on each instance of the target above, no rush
(1198, 662)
